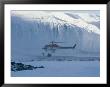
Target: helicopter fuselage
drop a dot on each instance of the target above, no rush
(54, 47)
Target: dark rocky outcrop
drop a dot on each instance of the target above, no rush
(21, 66)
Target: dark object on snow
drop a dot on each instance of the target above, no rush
(40, 67)
(49, 55)
(20, 66)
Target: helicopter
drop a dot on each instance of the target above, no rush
(53, 46)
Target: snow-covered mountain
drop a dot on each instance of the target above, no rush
(31, 30)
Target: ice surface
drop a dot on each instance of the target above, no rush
(61, 69)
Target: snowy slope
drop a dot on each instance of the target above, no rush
(32, 30)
